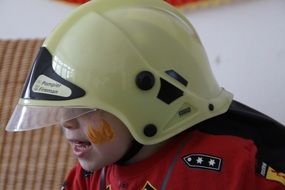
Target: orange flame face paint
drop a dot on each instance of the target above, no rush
(102, 134)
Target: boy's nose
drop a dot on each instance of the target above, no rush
(71, 124)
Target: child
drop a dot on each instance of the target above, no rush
(130, 84)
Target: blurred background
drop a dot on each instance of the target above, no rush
(244, 41)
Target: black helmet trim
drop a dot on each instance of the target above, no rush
(44, 83)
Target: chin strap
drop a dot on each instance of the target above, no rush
(132, 151)
(102, 179)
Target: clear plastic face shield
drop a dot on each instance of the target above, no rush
(98, 126)
(26, 118)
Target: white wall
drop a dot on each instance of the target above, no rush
(30, 18)
(244, 40)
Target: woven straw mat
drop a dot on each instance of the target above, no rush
(32, 160)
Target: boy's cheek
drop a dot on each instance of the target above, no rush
(100, 134)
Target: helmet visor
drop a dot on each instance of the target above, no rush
(26, 118)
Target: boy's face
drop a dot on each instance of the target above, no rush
(97, 138)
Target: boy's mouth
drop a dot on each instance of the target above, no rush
(80, 147)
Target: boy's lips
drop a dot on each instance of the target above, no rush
(80, 147)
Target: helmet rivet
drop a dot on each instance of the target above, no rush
(211, 107)
(145, 80)
(150, 130)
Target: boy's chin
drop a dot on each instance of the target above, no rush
(90, 166)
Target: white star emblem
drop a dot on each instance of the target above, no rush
(212, 162)
(199, 160)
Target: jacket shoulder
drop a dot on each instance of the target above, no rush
(245, 122)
